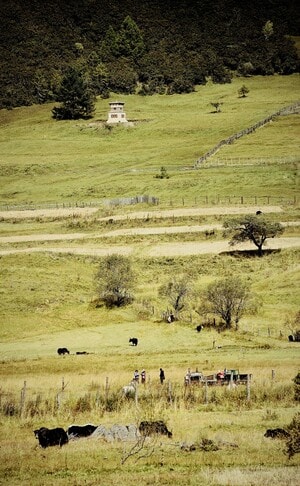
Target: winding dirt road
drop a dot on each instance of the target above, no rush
(167, 213)
(144, 248)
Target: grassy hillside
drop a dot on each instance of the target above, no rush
(46, 297)
(46, 161)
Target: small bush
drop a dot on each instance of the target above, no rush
(296, 380)
(83, 404)
(10, 409)
(270, 415)
(208, 445)
(293, 441)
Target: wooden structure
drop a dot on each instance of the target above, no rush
(225, 377)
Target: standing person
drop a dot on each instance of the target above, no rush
(161, 376)
(136, 376)
(143, 376)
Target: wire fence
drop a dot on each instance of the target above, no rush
(106, 397)
(229, 140)
(171, 202)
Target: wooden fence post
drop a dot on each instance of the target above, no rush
(205, 392)
(136, 395)
(248, 388)
(22, 401)
(60, 393)
(231, 381)
(170, 391)
(106, 391)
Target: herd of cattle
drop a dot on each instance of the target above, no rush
(58, 436)
(62, 351)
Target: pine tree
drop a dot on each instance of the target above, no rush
(130, 40)
(77, 100)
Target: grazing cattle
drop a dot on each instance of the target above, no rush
(156, 427)
(133, 341)
(76, 431)
(51, 437)
(258, 212)
(291, 338)
(129, 391)
(63, 351)
(277, 433)
(199, 328)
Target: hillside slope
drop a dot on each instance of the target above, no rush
(183, 41)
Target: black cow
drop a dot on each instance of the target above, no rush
(156, 427)
(51, 437)
(258, 212)
(63, 351)
(134, 341)
(277, 433)
(199, 328)
(75, 431)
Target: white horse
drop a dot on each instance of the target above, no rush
(128, 391)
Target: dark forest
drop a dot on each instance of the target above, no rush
(136, 46)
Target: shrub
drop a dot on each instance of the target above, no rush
(296, 380)
(293, 441)
(83, 404)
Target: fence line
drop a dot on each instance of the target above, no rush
(42, 403)
(229, 140)
(203, 200)
(249, 161)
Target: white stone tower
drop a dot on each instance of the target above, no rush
(116, 113)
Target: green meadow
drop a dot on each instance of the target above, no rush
(45, 161)
(48, 292)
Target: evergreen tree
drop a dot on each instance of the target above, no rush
(130, 40)
(76, 98)
(109, 46)
(122, 77)
(243, 91)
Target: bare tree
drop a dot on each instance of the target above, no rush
(176, 291)
(253, 228)
(227, 298)
(115, 281)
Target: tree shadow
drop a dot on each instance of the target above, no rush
(250, 253)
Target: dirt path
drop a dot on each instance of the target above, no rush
(119, 232)
(168, 213)
(145, 249)
(157, 250)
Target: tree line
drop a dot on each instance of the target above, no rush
(145, 47)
